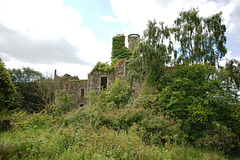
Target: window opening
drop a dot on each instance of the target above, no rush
(82, 92)
(66, 86)
(81, 105)
(103, 82)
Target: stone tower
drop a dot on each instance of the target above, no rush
(132, 40)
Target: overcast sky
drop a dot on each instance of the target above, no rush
(73, 35)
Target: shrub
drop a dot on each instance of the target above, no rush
(160, 129)
(195, 96)
(219, 137)
(102, 68)
(36, 120)
(148, 102)
(63, 103)
(118, 94)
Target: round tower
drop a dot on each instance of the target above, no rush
(132, 40)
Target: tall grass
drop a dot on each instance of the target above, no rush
(81, 134)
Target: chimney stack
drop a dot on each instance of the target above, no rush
(132, 40)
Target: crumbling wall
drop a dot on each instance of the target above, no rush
(97, 78)
(73, 85)
(121, 69)
(78, 88)
(132, 41)
(94, 80)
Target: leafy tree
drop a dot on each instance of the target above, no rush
(233, 67)
(45, 92)
(196, 96)
(7, 89)
(151, 55)
(201, 39)
(24, 75)
(34, 92)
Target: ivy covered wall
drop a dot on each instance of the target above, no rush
(119, 50)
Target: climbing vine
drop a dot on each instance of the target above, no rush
(102, 68)
(119, 50)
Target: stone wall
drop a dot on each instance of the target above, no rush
(79, 89)
(121, 69)
(73, 85)
(132, 41)
(94, 80)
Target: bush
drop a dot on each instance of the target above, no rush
(219, 137)
(36, 120)
(148, 102)
(63, 103)
(118, 94)
(195, 96)
(160, 129)
(102, 68)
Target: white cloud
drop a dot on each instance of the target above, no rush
(46, 35)
(40, 18)
(138, 12)
(228, 56)
(45, 32)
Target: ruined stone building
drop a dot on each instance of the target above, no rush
(95, 81)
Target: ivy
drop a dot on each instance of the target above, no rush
(102, 68)
(119, 50)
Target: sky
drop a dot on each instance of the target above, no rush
(71, 36)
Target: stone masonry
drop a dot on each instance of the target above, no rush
(95, 81)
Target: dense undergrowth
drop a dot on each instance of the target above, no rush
(105, 129)
(88, 133)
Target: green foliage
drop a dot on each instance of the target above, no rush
(233, 68)
(153, 126)
(34, 92)
(160, 130)
(201, 39)
(102, 68)
(234, 122)
(148, 102)
(54, 140)
(7, 89)
(63, 103)
(119, 50)
(193, 97)
(196, 101)
(41, 119)
(24, 75)
(151, 55)
(219, 137)
(118, 94)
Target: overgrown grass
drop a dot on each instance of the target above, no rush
(86, 133)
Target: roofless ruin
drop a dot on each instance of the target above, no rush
(98, 80)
